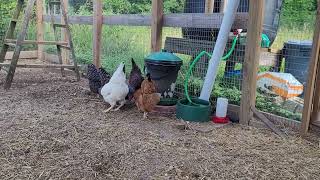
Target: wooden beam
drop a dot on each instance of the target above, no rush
(156, 25)
(234, 113)
(64, 52)
(40, 65)
(97, 31)
(23, 55)
(40, 28)
(209, 6)
(309, 92)
(315, 117)
(37, 42)
(251, 63)
(199, 20)
(187, 20)
(267, 122)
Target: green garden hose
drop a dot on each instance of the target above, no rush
(186, 82)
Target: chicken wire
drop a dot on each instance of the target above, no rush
(189, 42)
(292, 59)
(281, 93)
(121, 43)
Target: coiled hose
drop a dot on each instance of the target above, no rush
(234, 42)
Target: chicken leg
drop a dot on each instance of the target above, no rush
(122, 103)
(109, 109)
(145, 115)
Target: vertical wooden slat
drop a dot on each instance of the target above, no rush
(251, 63)
(309, 92)
(68, 33)
(40, 28)
(52, 8)
(97, 30)
(316, 111)
(64, 37)
(315, 117)
(209, 6)
(156, 25)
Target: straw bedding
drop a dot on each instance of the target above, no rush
(50, 128)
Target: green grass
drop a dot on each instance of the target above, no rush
(286, 33)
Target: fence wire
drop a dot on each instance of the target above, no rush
(282, 74)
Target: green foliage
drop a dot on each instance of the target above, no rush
(298, 12)
(127, 6)
(5, 15)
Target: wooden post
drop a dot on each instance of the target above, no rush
(156, 25)
(251, 63)
(309, 92)
(40, 28)
(97, 30)
(64, 36)
(315, 117)
(209, 6)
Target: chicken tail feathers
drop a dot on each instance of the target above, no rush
(135, 66)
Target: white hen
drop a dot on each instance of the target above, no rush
(116, 90)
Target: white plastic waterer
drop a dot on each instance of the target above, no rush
(221, 111)
(222, 107)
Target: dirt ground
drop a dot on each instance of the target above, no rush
(50, 128)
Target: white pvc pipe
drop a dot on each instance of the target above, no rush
(228, 19)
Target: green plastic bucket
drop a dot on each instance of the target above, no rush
(193, 113)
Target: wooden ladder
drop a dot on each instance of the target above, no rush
(20, 41)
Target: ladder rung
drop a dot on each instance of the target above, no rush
(64, 47)
(4, 69)
(60, 25)
(11, 44)
(38, 42)
(15, 20)
(39, 65)
(55, 2)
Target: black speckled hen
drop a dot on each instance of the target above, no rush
(104, 76)
(94, 78)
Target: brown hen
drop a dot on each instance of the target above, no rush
(146, 98)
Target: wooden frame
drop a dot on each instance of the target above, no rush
(209, 6)
(187, 20)
(315, 117)
(251, 63)
(24, 55)
(97, 32)
(64, 52)
(309, 93)
(156, 25)
(40, 28)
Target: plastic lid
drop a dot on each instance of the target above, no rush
(164, 57)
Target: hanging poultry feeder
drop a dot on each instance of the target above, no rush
(163, 68)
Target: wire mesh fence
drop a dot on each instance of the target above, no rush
(282, 75)
(281, 88)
